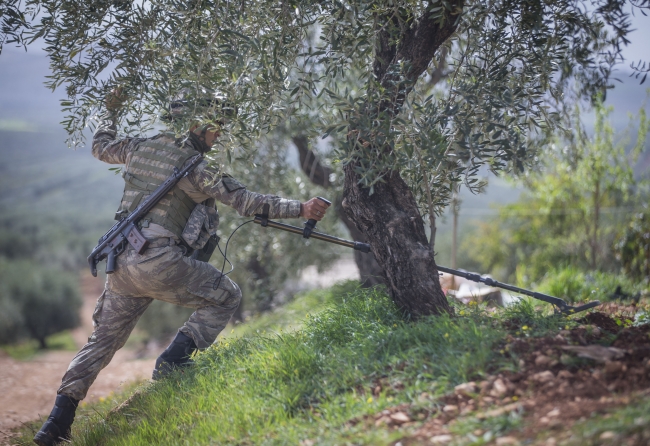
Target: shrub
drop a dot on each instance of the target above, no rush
(36, 302)
(573, 285)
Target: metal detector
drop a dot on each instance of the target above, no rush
(559, 305)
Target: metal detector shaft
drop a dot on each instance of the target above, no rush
(559, 303)
(363, 247)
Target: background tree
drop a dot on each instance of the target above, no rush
(36, 302)
(574, 208)
(402, 151)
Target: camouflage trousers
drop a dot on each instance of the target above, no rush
(162, 273)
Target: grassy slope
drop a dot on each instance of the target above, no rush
(348, 362)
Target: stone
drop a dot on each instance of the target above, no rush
(466, 389)
(607, 435)
(499, 389)
(450, 408)
(440, 439)
(400, 418)
(543, 377)
(503, 441)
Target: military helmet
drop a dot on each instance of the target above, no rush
(201, 105)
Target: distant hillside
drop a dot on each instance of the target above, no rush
(64, 198)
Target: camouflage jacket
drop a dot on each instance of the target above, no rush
(202, 183)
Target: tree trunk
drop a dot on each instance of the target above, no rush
(389, 217)
(42, 343)
(370, 272)
(394, 227)
(260, 283)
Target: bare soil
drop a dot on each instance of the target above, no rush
(562, 379)
(28, 388)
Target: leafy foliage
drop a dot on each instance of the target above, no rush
(337, 67)
(633, 247)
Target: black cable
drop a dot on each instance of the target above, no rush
(225, 251)
(232, 267)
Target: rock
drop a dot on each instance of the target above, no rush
(614, 367)
(399, 418)
(596, 352)
(503, 441)
(466, 389)
(499, 411)
(607, 435)
(440, 439)
(543, 377)
(450, 408)
(564, 374)
(542, 360)
(499, 389)
(553, 413)
(382, 420)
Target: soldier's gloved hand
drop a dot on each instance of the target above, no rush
(313, 209)
(115, 99)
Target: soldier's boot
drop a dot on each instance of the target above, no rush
(57, 426)
(177, 354)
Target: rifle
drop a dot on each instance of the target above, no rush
(113, 243)
(560, 305)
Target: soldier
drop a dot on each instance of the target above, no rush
(164, 271)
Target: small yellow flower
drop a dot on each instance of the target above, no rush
(446, 335)
(515, 398)
(525, 327)
(502, 351)
(566, 327)
(102, 399)
(369, 400)
(394, 325)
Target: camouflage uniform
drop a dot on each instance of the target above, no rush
(163, 271)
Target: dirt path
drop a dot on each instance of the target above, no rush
(28, 388)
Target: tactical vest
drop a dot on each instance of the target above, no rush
(151, 163)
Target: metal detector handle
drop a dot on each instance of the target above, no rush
(311, 223)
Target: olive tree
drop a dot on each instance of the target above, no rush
(359, 70)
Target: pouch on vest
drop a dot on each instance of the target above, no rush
(201, 225)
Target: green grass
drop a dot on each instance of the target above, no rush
(284, 387)
(28, 349)
(290, 317)
(271, 385)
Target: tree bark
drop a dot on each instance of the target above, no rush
(370, 273)
(389, 217)
(395, 229)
